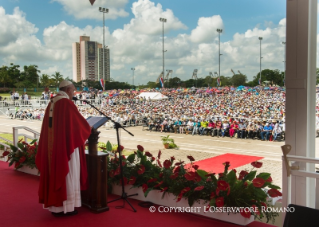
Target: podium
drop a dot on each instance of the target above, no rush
(95, 197)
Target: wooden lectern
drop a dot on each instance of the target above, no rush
(95, 197)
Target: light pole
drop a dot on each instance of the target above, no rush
(284, 43)
(163, 20)
(170, 72)
(133, 69)
(219, 31)
(103, 10)
(260, 38)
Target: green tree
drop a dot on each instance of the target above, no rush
(238, 79)
(30, 75)
(57, 78)
(45, 80)
(273, 76)
(4, 76)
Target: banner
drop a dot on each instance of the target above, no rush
(162, 82)
(102, 83)
(91, 50)
(218, 82)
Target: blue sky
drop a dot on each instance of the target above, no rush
(134, 38)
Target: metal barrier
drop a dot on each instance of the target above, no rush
(36, 135)
(290, 172)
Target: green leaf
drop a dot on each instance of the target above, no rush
(191, 201)
(202, 173)
(231, 178)
(11, 162)
(260, 194)
(108, 146)
(33, 141)
(13, 148)
(212, 202)
(273, 186)
(264, 176)
(139, 154)
(131, 158)
(250, 176)
(147, 191)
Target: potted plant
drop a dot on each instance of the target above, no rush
(23, 156)
(228, 189)
(168, 142)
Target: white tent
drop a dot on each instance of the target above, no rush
(152, 95)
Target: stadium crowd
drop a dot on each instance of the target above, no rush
(242, 113)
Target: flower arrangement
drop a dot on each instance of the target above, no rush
(168, 143)
(226, 189)
(22, 155)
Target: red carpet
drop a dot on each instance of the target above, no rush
(19, 207)
(215, 164)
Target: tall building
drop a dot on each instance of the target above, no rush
(88, 60)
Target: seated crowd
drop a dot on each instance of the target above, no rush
(264, 130)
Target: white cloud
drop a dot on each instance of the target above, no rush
(139, 44)
(83, 9)
(206, 29)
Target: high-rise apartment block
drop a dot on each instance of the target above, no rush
(88, 60)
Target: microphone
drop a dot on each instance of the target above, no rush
(76, 99)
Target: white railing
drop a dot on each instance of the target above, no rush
(36, 135)
(290, 170)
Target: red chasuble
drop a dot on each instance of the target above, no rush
(69, 131)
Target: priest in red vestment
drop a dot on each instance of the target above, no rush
(61, 158)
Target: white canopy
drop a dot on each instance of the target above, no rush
(152, 95)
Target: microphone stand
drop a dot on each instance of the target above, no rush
(124, 196)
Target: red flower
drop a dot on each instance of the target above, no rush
(274, 193)
(159, 154)
(174, 176)
(242, 174)
(140, 148)
(151, 180)
(148, 154)
(258, 182)
(245, 213)
(17, 164)
(256, 210)
(124, 180)
(160, 183)
(212, 195)
(22, 159)
(144, 187)
(207, 208)
(172, 158)
(234, 170)
(179, 163)
(152, 159)
(132, 180)
(179, 197)
(164, 189)
(269, 180)
(199, 188)
(220, 175)
(185, 190)
(191, 158)
(222, 185)
(220, 201)
(264, 205)
(195, 167)
(209, 174)
(117, 171)
(141, 170)
(123, 163)
(112, 173)
(161, 175)
(245, 184)
(5, 153)
(226, 164)
(189, 176)
(177, 169)
(167, 164)
(256, 164)
(121, 148)
(159, 163)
